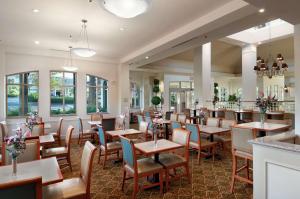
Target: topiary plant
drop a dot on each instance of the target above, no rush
(155, 100)
(155, 89)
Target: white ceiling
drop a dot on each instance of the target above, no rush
(59, 18)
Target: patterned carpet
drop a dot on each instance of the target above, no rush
(209, 180)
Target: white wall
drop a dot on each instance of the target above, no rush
(22, 62)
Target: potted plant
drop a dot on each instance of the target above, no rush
(264, 103)
(156, 100)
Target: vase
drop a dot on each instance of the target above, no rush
(262, 118)
(14, 166)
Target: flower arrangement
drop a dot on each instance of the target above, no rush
(216, 92)
(32, 120)
(264, 103)
(202, 116)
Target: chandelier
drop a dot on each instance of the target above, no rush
(126, 8)
(69, 65)
(264, 68)
(278, 68)
(84, 51)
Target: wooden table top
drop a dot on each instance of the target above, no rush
(275, 113)
(265, 127)
(161, 121)
(243, 111)
(149, 147)
(94, 122)
(125, 132)
(47, 168)
(212, 129)
(46, 139)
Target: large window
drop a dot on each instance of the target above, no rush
(96, 94)
(63, 92)
(22, 93)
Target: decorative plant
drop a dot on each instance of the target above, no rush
(216, 92)
(156, 100)
(232, 98)
(264, 103)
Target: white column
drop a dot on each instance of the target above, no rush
(297, 77)
(202, 73)
(249, 56)
(2, 83)
(123, 89)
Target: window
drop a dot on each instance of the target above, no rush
(96, 94)
(22, 93)
(135, 95)
(63, 92)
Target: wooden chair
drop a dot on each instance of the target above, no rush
(168, 115)
(62, 153)
(108, 148)
(181, 118)
(75, 187)
(175, 125)
(4, 130)
(143, 127)
(31, 188)
(241, 149)
(31, 153)
(212, 121)
(230, 115)
(133, 168)
(140, 118)
(225, 137)
(119, 125)
(38, 130)
(174, 117)
(247, 116)
(84, 134)
(57, 134)
(96, 117)
(196, 143)
(172, 161)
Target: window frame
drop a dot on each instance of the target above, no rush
(96, 86)
(63, 93)
(22, 85)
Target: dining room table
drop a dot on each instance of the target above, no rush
(47, 168)
(263, 128)
(125, 132)
(165, 123)
(151, 148)
(212, 130)
(46, 139)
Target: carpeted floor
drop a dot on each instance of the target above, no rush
(209, 180)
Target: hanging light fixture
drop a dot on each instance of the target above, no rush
(126, 8)
(69, 65)
(278, 68)
(84, 51)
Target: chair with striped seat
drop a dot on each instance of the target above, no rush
(135, 169)
(196, 143)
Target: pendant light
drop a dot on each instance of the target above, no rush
(126, 8)
(84, 51)
(69, 66)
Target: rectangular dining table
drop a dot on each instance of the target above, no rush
(46, 139)
(126, 132)
(149, 148)
(212, 130)
(47, 168)
(263, 128)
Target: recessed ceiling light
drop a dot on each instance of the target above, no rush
(262, 10)
(146, 57)
(122, 29)
(37, 42)
(35, 10)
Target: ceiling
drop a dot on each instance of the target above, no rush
(58, 19)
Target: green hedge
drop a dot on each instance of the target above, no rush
(59, 100)
(59, 112)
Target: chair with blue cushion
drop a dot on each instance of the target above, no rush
(140, 118)
(147, 114)
(196, 143)
(109, 148)
(179, 158)
(141, 168)
(31, 188)
(175, 125)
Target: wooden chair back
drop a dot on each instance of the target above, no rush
(119, 123)
(31, 153)
(38, 130)
(31, 188)
(129, 154)
(227, 124)
(69, 138)
(240, 138)
(87, 164)
(102, 137)
(60, 121)
(181, 118)
(195, 133)
(140, 118)
(212, 121)
(96, 117)
(143, 127)
(174, 117)
(182, 137)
